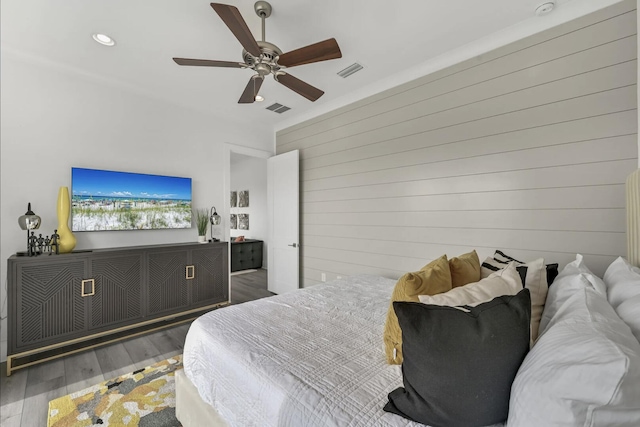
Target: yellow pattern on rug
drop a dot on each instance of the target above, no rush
(144, 397)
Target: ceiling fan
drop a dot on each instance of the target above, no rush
(266, 58)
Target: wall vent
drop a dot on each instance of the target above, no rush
(353, 68)
(278, 108)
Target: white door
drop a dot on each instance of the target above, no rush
(283, 204)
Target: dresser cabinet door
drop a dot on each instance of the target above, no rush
(167, 282)
(118, 289)
(209, 285)
(49, 303)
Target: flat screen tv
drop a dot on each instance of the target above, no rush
(108, 200)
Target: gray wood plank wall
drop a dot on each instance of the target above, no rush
(525, 148)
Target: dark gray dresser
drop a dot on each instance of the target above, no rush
(246, 254)
(61, 304)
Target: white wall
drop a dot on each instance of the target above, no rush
(52, 120)
(525, 148)
(250, 173)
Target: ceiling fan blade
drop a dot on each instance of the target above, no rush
(250, 92)
(206, 63)
(231, 16)
(321, 51)
(300, 87)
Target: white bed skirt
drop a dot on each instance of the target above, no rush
(191, 410)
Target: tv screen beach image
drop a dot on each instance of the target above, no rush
(108, 200)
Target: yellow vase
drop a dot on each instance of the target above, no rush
(67, 240)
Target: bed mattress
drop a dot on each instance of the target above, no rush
(313, 357)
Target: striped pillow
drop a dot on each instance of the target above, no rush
(552, 269)
(491, 265)
(534, 278)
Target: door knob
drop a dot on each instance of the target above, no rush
(295, 245)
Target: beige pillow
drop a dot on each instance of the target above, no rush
(464, 269)
(433, 278)
(535, 280)
(503, 282)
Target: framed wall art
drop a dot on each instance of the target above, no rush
(243, 199)
(243, 221)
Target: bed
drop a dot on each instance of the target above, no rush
(311, 357)
(315, 357)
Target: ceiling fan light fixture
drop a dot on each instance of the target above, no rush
(104, 39)
(259, 98)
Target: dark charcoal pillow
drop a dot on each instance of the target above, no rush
(459, 365)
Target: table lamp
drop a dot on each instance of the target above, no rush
(215, 220)
(29, 221)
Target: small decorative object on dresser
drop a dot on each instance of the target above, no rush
(66, 240)
(202, 221)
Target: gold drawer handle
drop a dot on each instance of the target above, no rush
(93, 287)
(190, 272)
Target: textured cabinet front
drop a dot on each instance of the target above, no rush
(167, 282)
(64, 300)
(118, 289)
(209, 285)
(50, 306)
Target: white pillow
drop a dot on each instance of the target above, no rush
(504, 282)
(584, 369)
(535, 280)
(579, 267)
(629, 312)
(567, 285)
(623, 292)
(622, 280)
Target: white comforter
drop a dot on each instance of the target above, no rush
(313, 357)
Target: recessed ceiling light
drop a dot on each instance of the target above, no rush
(104, 39)
(545, 8)
(259, 98)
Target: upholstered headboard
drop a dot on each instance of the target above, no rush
(633, 218)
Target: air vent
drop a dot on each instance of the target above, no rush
(353, 68)
(278, 108)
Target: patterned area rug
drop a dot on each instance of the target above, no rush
(146, 397)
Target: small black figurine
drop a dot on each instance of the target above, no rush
(55, 237)
(32, 244)
(40, 244)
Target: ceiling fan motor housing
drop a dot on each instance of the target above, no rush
(269, 52)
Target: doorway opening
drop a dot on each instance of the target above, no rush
(246, 226)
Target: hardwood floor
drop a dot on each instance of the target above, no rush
(249, 286)
(25, 395)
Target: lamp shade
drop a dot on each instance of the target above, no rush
(29, 221)
(215, 218)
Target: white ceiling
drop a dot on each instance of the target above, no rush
(385, 38)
